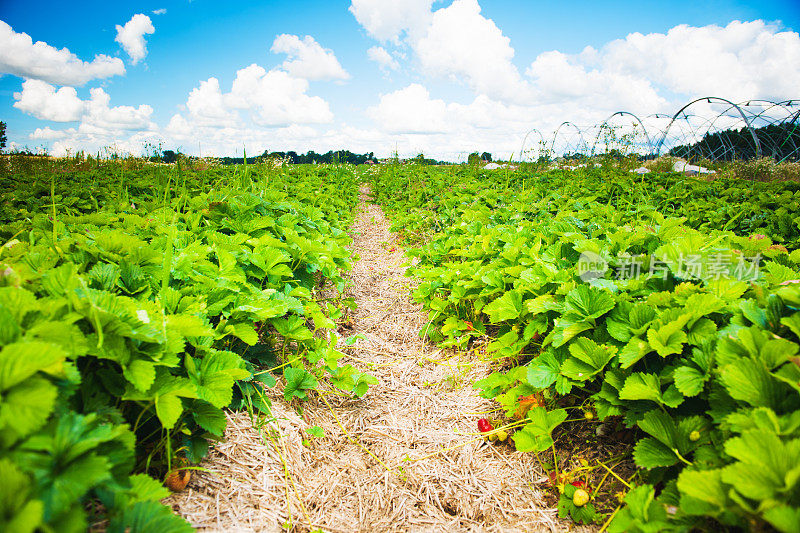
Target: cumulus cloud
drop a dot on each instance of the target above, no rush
(642, 73)
(160, 11)
(259, 103)
(123, 128)
(48, 134)
(387, 21)
(379, 55)
(131, 36)
(43, 101)
(207, 107)
(101, 116)
(556, 78)
(307, 59)
(462, 43)
(274, 98)
(739, 61)
(455, 41)
(410, 110)
(20, 56)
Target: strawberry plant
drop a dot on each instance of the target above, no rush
(129, 322)
(684, 331)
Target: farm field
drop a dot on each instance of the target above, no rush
(330, 347)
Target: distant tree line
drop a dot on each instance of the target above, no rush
(779, 141)
(310, 157)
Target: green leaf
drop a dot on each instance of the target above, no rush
(73, 481)
(222, 361)
(641, 386)
(168, 409)
(784, 518)
(298, 380)
(650, 453)
(245, 332)
(209, 417)
(689, 380)
(21, 360)
(641, 513)
(140, 373)
(633, 351)
(588, 302)
(660, 425)
(145, 488)
(19, 512)
(587, 359)
(704, 485)
(316, 432)
(765, 465)
(536, 435)
(189, 325)
(566, 327)
(507, 307)
(147, 517)
(543, 370)
(60, 280)
(640, 318)
(26, 407)
(669, 338)
(702, 330)
(362, 383)
(9, 328)
(748, 381)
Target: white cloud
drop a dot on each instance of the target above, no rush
(460, 42)
(261, 106)
(307, 59)
(49, 134)
(123, 128)
(556, 78)
(20, 56)
(160, 11)
(382, 57)
(207, 107)
(387, 21)
(657, 72)
(101, 117)
(43, 101)
(274, 98)
(131, 36)
(739, 61)
(456, 42)
(410, 110)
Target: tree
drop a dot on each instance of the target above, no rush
(169, 156)
(2, 135)
(474, 158)
(486, 156)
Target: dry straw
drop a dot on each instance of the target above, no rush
(402, 458)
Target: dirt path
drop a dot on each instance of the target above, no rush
(264, 478)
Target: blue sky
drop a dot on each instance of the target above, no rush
(444, 78)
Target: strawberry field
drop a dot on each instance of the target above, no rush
(663, 308)
(139, 302)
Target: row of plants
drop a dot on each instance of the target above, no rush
(422, 199)
(135, 307)
(585, 288)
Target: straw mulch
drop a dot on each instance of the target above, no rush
(381, 464)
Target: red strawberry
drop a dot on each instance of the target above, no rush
(484, 426)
